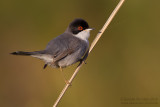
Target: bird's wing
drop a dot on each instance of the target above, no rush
(62, 55)
(63, 45)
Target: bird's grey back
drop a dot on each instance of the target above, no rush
(63, 42)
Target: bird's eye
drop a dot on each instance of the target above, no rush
(80, 28)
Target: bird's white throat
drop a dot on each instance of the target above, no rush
(84, 35)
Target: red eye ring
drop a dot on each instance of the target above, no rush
(80, 28)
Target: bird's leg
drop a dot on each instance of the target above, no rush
(83, 60)
(65, 80)
(61, 69)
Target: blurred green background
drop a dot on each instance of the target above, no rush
(124, 66)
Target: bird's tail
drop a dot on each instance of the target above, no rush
(37, 54)
(27, 53)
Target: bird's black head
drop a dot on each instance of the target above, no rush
(77, 26)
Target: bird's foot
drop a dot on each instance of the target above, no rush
(68, 83)
(84, 62)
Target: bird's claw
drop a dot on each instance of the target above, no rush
(67, 82)
(84, 62)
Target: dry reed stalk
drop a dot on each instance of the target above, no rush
(91, 47)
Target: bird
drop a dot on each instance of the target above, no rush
(70, 47)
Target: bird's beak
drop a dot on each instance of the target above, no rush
(89, 29)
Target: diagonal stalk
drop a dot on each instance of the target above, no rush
(91, 47)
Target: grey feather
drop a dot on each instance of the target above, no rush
(65, 42)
